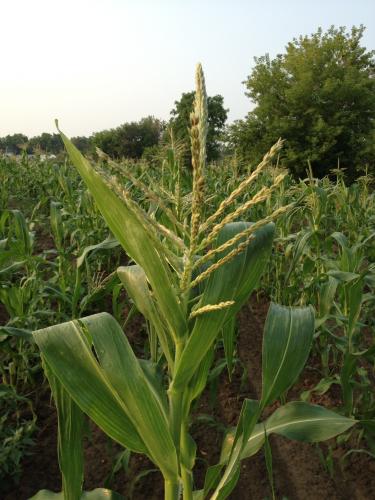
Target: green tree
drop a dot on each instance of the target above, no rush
(84, 144)
(217, 116)
(320, 97)
(14, 143)
(48, 143)
(130, 139)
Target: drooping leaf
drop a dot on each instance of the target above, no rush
(70, 357)
(120, 368)
(125, 374)
(295, 420)
(106, 244)
(307, 422)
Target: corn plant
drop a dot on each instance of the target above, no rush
(328, 261)
(17, 424)
(190, 277)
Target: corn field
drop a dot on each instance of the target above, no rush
(121, 289)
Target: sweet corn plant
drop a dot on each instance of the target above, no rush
(189, 277)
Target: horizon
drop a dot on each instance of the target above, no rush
(95, 65)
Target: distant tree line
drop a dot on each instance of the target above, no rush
(15, 144)
(319, 96)
(132, 139)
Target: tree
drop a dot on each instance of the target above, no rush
(48, 143)
(84, 144)
(14, 143)
(217, 116)
(130, 139)
(320, 97)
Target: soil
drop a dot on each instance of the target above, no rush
(299, 473)
(4, 316)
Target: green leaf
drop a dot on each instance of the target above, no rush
(347, 379)
(253, 445)
(212, 478)
(301, 242)
(306, 422)
(70, 434)
(106, 244)
(198, 383)
(299, 421)
(343, 275)
(135, 281)
(12, 267)
(249, 415)
(327, 294)
(11, 331)
(288, 334)
(355, 294)
(125, 374)
(69, 356)
(128, 225)
(269, 462)
(119, 366)
(229, 340)
(97, 494)
(235, 280)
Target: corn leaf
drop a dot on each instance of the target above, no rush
(106, 244)
(135, 237)
(143, 402)
(70, 358)
(70, 434)
(299, 421)
(296, 420)
(246, 423)
(118, 366)
(234, 280)
(135, 281)
(288, 334)
(229, 341)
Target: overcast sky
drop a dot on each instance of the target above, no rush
(95, 64)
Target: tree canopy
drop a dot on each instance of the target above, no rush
(130, 139)
(217, 116)
(14, 143)
(320, 97)
(49, 143)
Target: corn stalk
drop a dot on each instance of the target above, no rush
(189, 290)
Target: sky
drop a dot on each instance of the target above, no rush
(95, 64)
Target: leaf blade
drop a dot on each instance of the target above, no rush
(288, 335)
